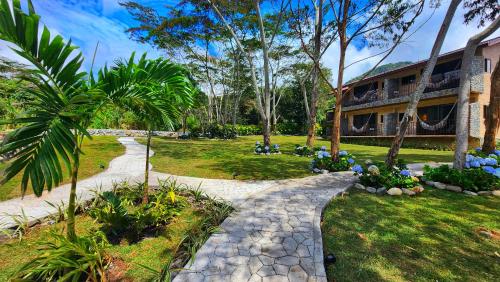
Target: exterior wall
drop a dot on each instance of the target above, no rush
(492, 53)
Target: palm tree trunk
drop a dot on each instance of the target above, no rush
(70, 225)
(493, 113)
(145, 197)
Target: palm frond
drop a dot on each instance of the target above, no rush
(46, 137)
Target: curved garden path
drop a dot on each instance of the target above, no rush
(274, 235)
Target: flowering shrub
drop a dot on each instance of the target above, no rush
(489, 163)
(323, 161)
(304, 151)
(472, 179)
(261, 149)
(379, 175)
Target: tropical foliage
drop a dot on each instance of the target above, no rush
(379, 175)
(323, 161)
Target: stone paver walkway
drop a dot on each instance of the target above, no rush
(127, 167)
(274, 236)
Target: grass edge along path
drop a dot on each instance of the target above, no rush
(234, 159)
(98, 153)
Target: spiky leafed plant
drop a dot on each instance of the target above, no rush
(162, 89)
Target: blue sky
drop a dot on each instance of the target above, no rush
(89, 21)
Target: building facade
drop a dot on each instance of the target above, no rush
(377, 104)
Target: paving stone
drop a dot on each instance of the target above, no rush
(297, 274)
(275, 278)
(266, 270)
(288, 260)
(241, 273)
(255, 264)
(281, 269)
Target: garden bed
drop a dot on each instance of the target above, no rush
(437, 236)
(132, 253)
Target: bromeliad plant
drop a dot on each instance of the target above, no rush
(261, 149)
(323, 161)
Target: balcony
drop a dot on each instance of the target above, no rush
(437, 82)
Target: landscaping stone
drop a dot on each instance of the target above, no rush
(496, 193)
(418, 189)
(395, 191)
(484, 193)
(381, 191)
(324, 171)
(430, 183)
(359, 186)
(439, 185)
(453, 188)
(470, 193)
(371, 189)
(408, 192)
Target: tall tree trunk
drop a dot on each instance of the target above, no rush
(267, 86)
(493, 113)
(145, 196)
(311, 131)
(462, 131)
(411, 109)
(70, 225)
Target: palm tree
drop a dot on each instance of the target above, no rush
(63, 102)
(162, 89)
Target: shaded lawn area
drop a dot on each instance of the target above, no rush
(98, 152)
(432, 237)
(153, 252)
(227, 158)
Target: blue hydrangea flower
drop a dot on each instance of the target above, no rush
(259, 150)
(467, 165)
(475, 163)
(320, 156)
(405, 172)
(469, 158)
(489, 169)
(350, 160)
(492, 155)
(497, 172)
(276, 146)
(266, 148)
(323, 148)
(491, 161)
(478, 149)
(497, 152)
(357, 169)
(481, 161)
(343, 153)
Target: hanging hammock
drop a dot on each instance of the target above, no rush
(365, 96)
(438, 125)
(363, 128)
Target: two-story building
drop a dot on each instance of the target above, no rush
(376, 105)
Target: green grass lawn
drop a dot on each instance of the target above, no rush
(154, 252)
(98, 152)
(225, 158)
(431, 237)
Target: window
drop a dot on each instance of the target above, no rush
(487, 65)
(408, 79)
(381, 118)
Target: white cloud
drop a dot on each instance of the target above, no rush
(418, 47)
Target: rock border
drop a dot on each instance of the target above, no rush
(458, 189)
(130, 133)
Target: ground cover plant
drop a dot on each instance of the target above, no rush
(98, 152)
(436, 236)
(228, 159)
(377, 174)
(158, 237)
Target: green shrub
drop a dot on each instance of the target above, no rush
(112, 212)
(473, 179)
(245, 130)
(323, 161)
(60, 259)
(305, 151)
(289, 128)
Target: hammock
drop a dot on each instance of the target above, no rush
(363, 128)
(438, 125)
(365, 96)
